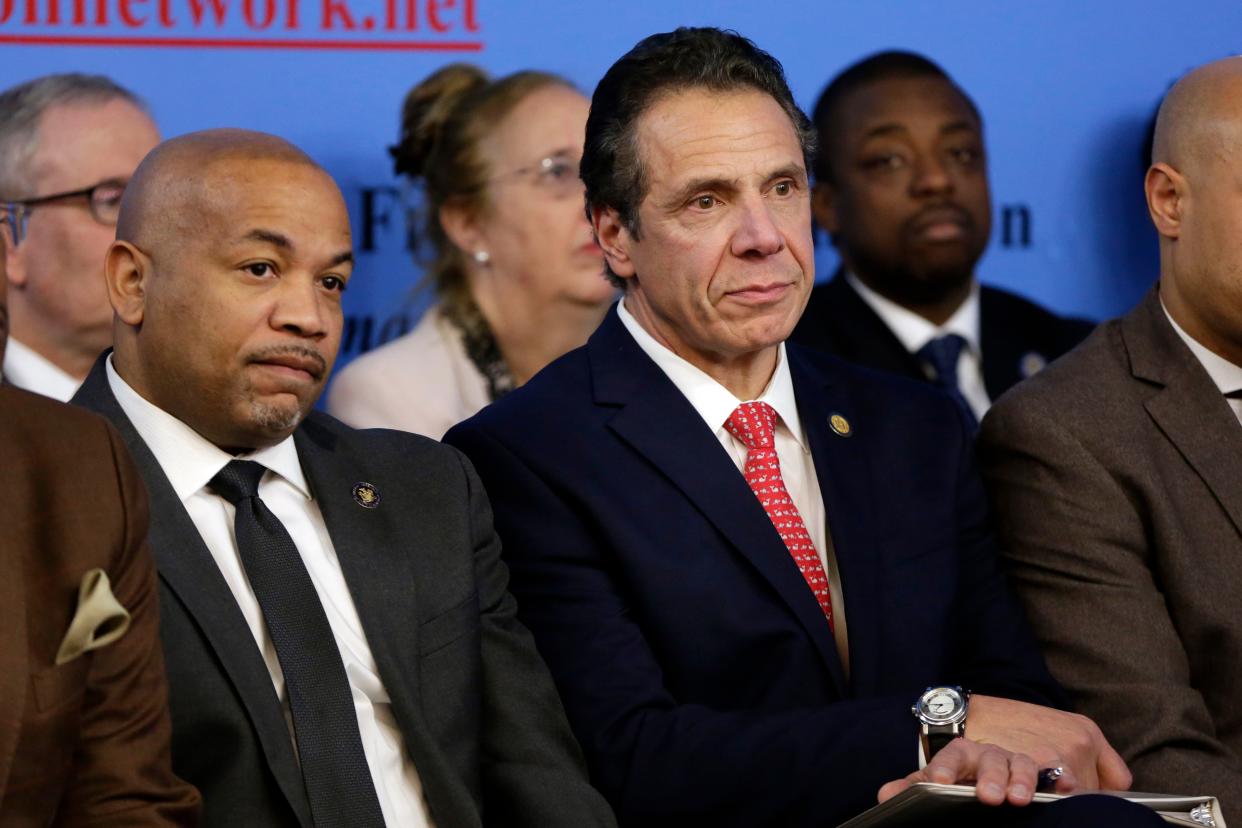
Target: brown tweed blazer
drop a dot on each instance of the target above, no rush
(86, 742)
(1116, 475)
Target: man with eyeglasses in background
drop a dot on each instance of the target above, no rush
(68, 145)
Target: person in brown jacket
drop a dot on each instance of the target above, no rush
(1115, 476)
(84, 728)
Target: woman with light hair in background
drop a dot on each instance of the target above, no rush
(518, 278)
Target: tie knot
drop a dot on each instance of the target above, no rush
(238, 480)
(942, 354)
(753, 424)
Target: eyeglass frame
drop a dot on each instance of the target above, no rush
(16, 213)
(541, 166)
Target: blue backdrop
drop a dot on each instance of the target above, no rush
(1067, 90)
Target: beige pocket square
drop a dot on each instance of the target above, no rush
(99, 620)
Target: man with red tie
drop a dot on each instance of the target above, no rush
(744, 562)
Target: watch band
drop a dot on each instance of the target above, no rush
(938, 736)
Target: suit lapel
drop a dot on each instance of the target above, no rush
(377, 570)
(844, 474)
(375, 548)
(658, 422)
(1189, 408)
(187, 568)
(864, 336)
(13, 655)
(1002, 351)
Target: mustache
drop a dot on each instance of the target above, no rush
(939, 212)
(318, 366)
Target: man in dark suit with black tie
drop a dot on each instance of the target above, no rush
(340, 644)
(901, 187)
(744, 561)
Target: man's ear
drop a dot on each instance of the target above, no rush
(824, 206)
(614, 238)
(1166, 190)
(127, 271)
(463, 229)
(14, 261)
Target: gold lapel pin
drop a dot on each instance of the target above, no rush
(367, 495)
(841, 425)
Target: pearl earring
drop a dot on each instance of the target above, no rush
(482, 257)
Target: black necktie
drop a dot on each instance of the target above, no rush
(942, 354)
(334, 766)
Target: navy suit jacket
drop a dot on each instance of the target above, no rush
(695, 664)
(1016, 336)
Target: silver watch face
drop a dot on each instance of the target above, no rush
(941, 705)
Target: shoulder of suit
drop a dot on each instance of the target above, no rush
(825, 298)
(1080, 383)
(556, 389)
(826, 289)
(60, 445)
(812, 364)
(25, 412)
(1016, 309)
(329, 432)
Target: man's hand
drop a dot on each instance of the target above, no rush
(999, 776)
(1050, 737)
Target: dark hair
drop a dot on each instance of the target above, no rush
(444, 119)
(702, 58)
(877, 67)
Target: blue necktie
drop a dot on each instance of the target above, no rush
(334, 766)
(942, 354)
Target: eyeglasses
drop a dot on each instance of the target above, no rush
(103, 199)
(558, 174)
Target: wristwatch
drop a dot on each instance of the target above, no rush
(941, 712)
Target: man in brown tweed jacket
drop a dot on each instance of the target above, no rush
(1117, 476)
(84, 729)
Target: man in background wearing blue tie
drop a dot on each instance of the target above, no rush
(901, 187)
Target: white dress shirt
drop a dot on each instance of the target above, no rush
(1226, 375)
(34, 372)
(913, 331)
(715, 403)
(190, 462)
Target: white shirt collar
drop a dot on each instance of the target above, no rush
(1226, 375)
(912, 330)
(30, 370)
(188, 459)
(712, 400)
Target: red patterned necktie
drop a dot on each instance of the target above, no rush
(753, 424)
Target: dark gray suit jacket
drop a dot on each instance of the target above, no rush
(482, 721)
(1116, 475)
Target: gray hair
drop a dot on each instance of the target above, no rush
(21, 108)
